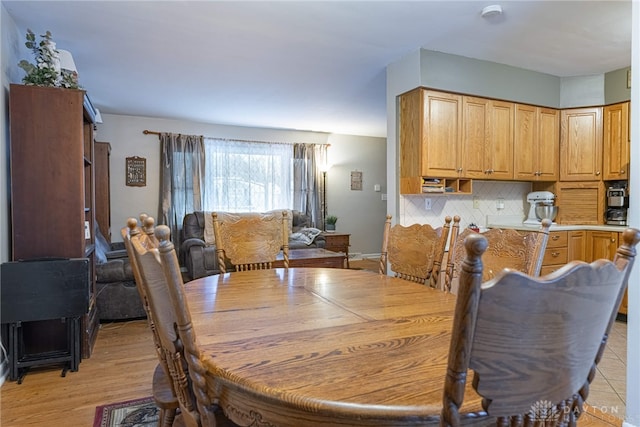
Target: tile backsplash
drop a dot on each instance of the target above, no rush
(487, 197)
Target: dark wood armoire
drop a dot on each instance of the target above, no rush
(53, 194)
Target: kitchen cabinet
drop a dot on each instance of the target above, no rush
(601, 244)
(576, 245)
(487, 138)
(578, 202)
(562, 247)
(430, 134)
(581, 144)
(536, 143)
(441, 139)
(604, 244)
(616, 142)
(557, 252)
(581, 245)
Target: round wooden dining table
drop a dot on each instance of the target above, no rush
(324, 347)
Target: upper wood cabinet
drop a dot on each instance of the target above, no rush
(487, 138)
(441, 138)
(430, 137)
(581, 144)
(616, 142)
(536, 143)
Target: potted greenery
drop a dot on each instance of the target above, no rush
(330, 223)
(46, 71)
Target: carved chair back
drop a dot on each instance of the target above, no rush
(162, 385)
(533, 343)
(415, 252)
(515, 249)
(162, 319)
(251, 241)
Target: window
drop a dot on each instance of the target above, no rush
(243, 176)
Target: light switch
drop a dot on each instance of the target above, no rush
(376, 187)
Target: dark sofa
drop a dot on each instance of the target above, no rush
(201, 260)
(117, 297)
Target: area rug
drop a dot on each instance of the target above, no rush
(132, 413)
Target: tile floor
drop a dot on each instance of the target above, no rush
(608, 389)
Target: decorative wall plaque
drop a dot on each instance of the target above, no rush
(136, 171)
(356, 180)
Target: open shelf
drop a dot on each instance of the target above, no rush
(436, 186)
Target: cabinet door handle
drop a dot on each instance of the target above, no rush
(556, 237)
(622, 171)
(597, 173)
(555, 254)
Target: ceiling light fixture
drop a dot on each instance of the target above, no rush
(491, 11)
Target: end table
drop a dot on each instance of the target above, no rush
(337, 242)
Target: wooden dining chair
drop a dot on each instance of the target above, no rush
(533, 343)
(415, 252)
(163, 321)
(508, 248)
(251, 241)
(163, 392)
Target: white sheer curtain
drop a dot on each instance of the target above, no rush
(245, 176)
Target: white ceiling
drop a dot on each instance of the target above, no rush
(308, 65)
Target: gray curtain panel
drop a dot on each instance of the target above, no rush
(308, 186)
(181, 180)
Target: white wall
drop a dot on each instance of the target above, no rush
(632, 417)
(360, 212)
(9, 51)
(125, 134)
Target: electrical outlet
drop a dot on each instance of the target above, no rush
(500, 204)
(476, 203)
(427, 204)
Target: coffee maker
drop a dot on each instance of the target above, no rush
(617, 204)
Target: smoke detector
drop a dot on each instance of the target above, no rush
(491, 11)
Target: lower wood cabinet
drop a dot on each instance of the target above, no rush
(604, 244)
(562, 247)
(581, 245)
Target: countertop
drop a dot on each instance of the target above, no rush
(562, 227)
(516, 223)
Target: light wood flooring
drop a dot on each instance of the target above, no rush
(120, 369)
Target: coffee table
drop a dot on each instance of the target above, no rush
(312, 258)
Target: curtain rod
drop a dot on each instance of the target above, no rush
(152, 132)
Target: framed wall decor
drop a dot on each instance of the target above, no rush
(356, 180)
(136, 171)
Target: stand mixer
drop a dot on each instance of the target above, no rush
(538, 198)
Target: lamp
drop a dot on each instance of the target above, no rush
(324, 169)
(66, 61)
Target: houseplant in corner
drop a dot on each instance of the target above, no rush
(330, 223)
